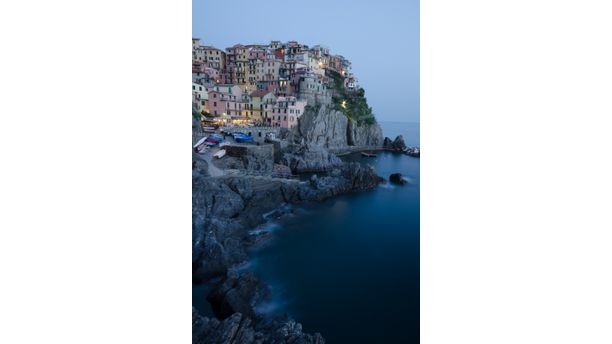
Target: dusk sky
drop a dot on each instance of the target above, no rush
(381, 39)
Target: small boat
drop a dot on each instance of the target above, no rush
(199, 146)
(212, 140)
(343, 154)
(220, 154)
(209, 129)
(243, 138)
(369, 155)
(200, 142)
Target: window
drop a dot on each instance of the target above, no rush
(215, 104)
(193, 87)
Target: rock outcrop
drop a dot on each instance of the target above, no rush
(323, 126)
(397, 145)
(397, 178)
(309, 158)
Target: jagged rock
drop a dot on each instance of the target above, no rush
(387, 143)
(199, 166)
(253, 159)
(240, 329)
(309, 158)
(237, 293)
(396, 145)
(397, 178)
(236, 329)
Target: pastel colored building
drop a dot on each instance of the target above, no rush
(224, 99)
(267, 73)
(284, 112)
(214, 58)
(258, 100)
(195, 50)
(269, 83)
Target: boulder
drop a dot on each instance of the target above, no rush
(397, 178)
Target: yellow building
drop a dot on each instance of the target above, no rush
(257, 104)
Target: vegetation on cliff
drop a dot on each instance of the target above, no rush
(353, 104)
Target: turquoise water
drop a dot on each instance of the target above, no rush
(349, 267)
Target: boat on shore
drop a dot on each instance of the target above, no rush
(200, 145)
(241, 138)
(343, 154)
(369, 155)
(220, 154)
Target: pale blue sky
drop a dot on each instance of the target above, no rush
(381, 38)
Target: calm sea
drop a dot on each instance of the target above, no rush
(349, 267)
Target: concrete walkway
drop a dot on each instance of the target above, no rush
(213, 170)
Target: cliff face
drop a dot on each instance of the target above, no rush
(331, 129)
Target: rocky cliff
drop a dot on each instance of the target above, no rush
(323, 126)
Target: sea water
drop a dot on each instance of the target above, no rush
(349, 267)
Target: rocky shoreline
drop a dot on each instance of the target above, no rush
(226, 209)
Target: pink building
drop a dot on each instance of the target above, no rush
(284, 112)
(220, 103)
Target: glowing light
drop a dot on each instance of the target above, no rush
(344, 104)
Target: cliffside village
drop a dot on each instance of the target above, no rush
(264, 85)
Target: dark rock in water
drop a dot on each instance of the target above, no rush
(397, 145)
(397, 178)
(387, 143)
